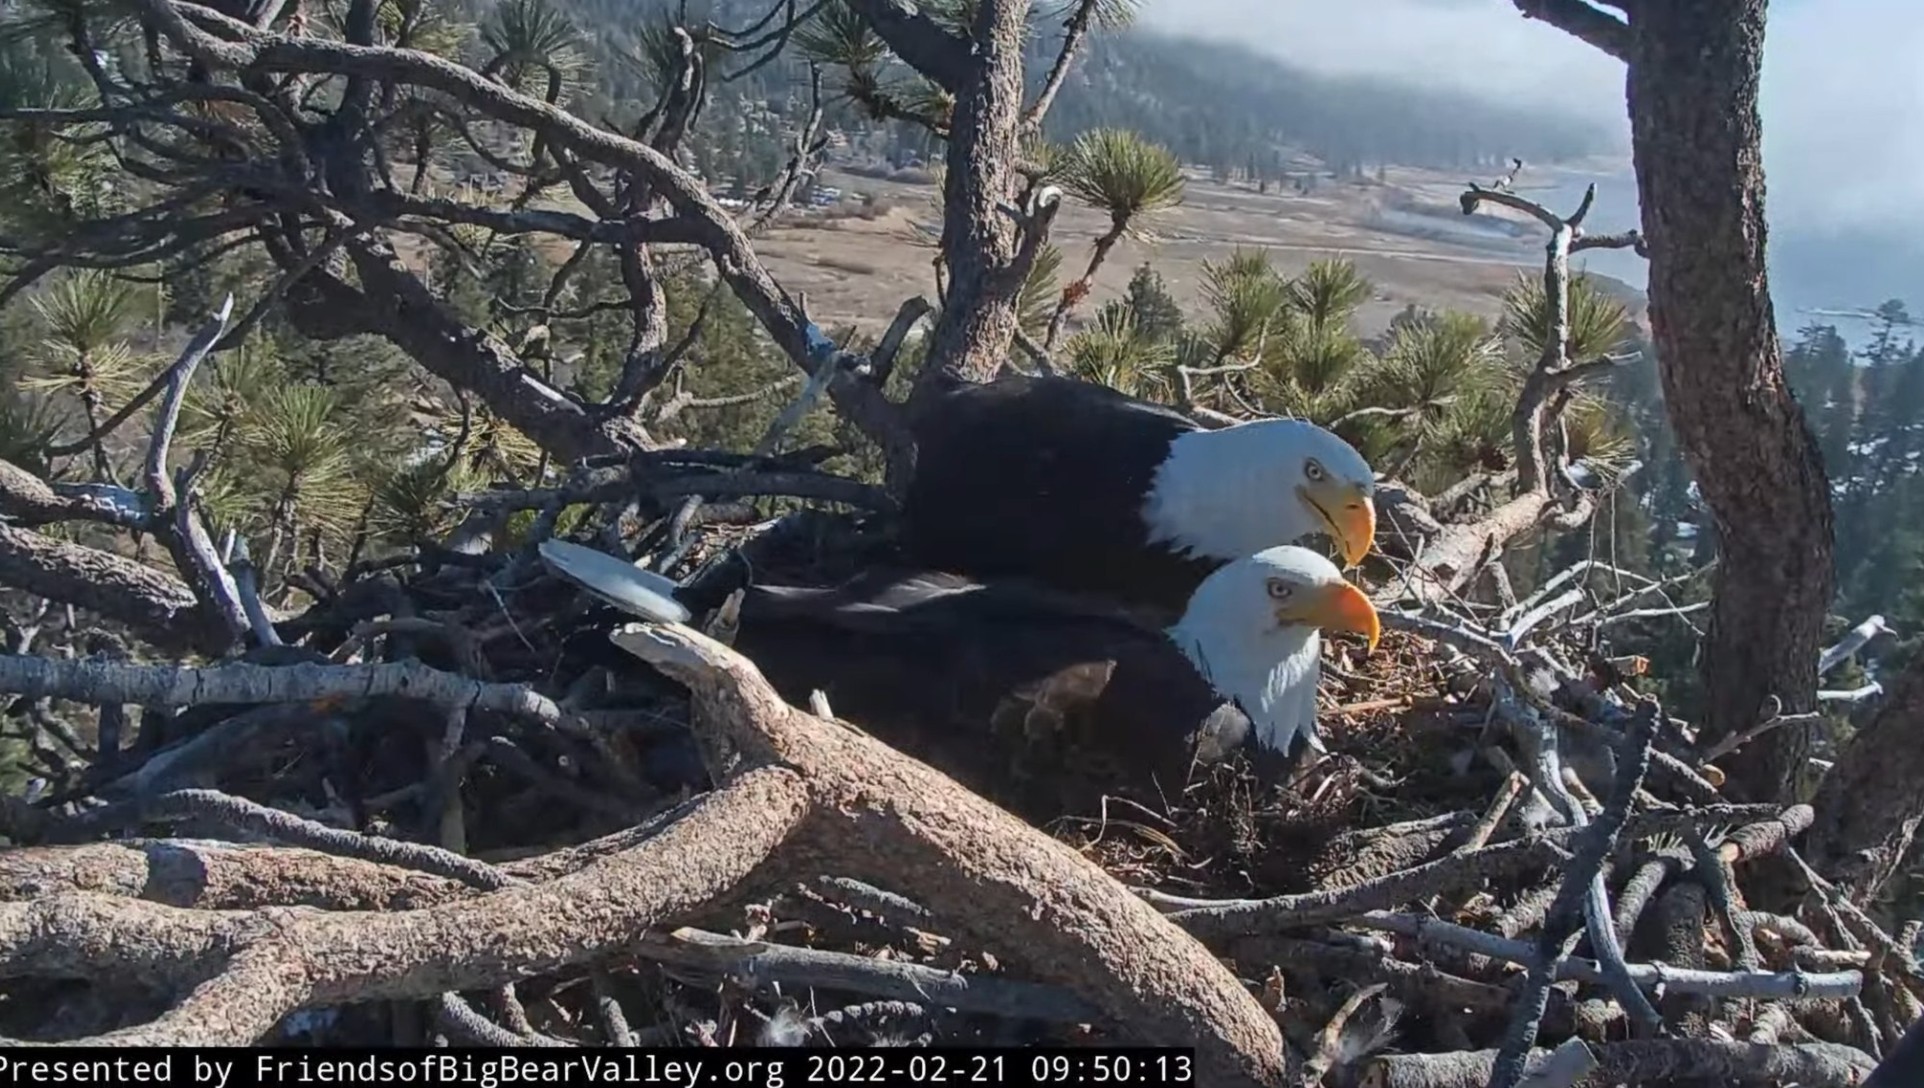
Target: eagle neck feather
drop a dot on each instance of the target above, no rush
(1272, 678)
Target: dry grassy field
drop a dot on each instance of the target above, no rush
(1405, 233)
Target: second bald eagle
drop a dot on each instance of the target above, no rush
(1036, 701)
(1076, 485)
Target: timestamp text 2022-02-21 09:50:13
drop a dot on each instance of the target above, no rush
(684, 1067)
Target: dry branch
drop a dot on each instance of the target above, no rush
(261, 965)
(242, 815)
(97, 681)
(206, 875)
(1579, 898)
(1656, 1061)
(394, 303)
(981, 871)
(760, 964)
(158, 606)
(1213, 920)
(1754, 984)
(1581, 20)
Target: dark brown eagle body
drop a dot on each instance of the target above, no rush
(1035, 701)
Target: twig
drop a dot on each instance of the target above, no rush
(1530, 619)
(1037, 354)
(1231, 918)
(1644, 1061)
(907, 316)
(1850, 695)
(1329, 1041)
(883, 904)
(1732, 743)
(1567, 913)
(1492, 817)
(614, 1020)
(831, 365)
(1835, 985)
(1566, 1065)
(1854, 640)
(1550, 585)
(455, 1014)
(1369, 960)
(241, 814)
(1640, 888)
(759, 964)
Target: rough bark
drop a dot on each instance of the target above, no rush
(26, 499)
(884, 818)
(972, 338)
(221, 876)
(1869, 804)
(157, 606)
(263, 964)
(1696, 136)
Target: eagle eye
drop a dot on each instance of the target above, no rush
(1313, 469)
(1279, 589)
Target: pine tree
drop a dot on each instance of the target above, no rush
(1157, 315)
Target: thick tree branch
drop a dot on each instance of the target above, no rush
(981, 871)
(263, 965)
(26, 499)
(1074, 30)
(101, 681)
(157, 606)
(920, 41)
(1580, 20)
(708, 223)
(1868, 807)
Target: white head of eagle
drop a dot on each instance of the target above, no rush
(1252, 629)
(1226, 493)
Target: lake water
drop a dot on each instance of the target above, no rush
(1810, 270)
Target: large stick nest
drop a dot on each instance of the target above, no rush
(451, 814)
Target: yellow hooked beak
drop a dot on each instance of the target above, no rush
(1343, 607)
(1349, 515)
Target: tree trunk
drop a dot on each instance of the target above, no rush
(1693, 76)
(1869, 805)
(979, 240)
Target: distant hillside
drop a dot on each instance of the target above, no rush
(1212, 103)
(1223, 105)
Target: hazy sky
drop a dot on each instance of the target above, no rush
(1843, 82)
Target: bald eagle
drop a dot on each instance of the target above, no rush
(1032, 700)
(1078, 486)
